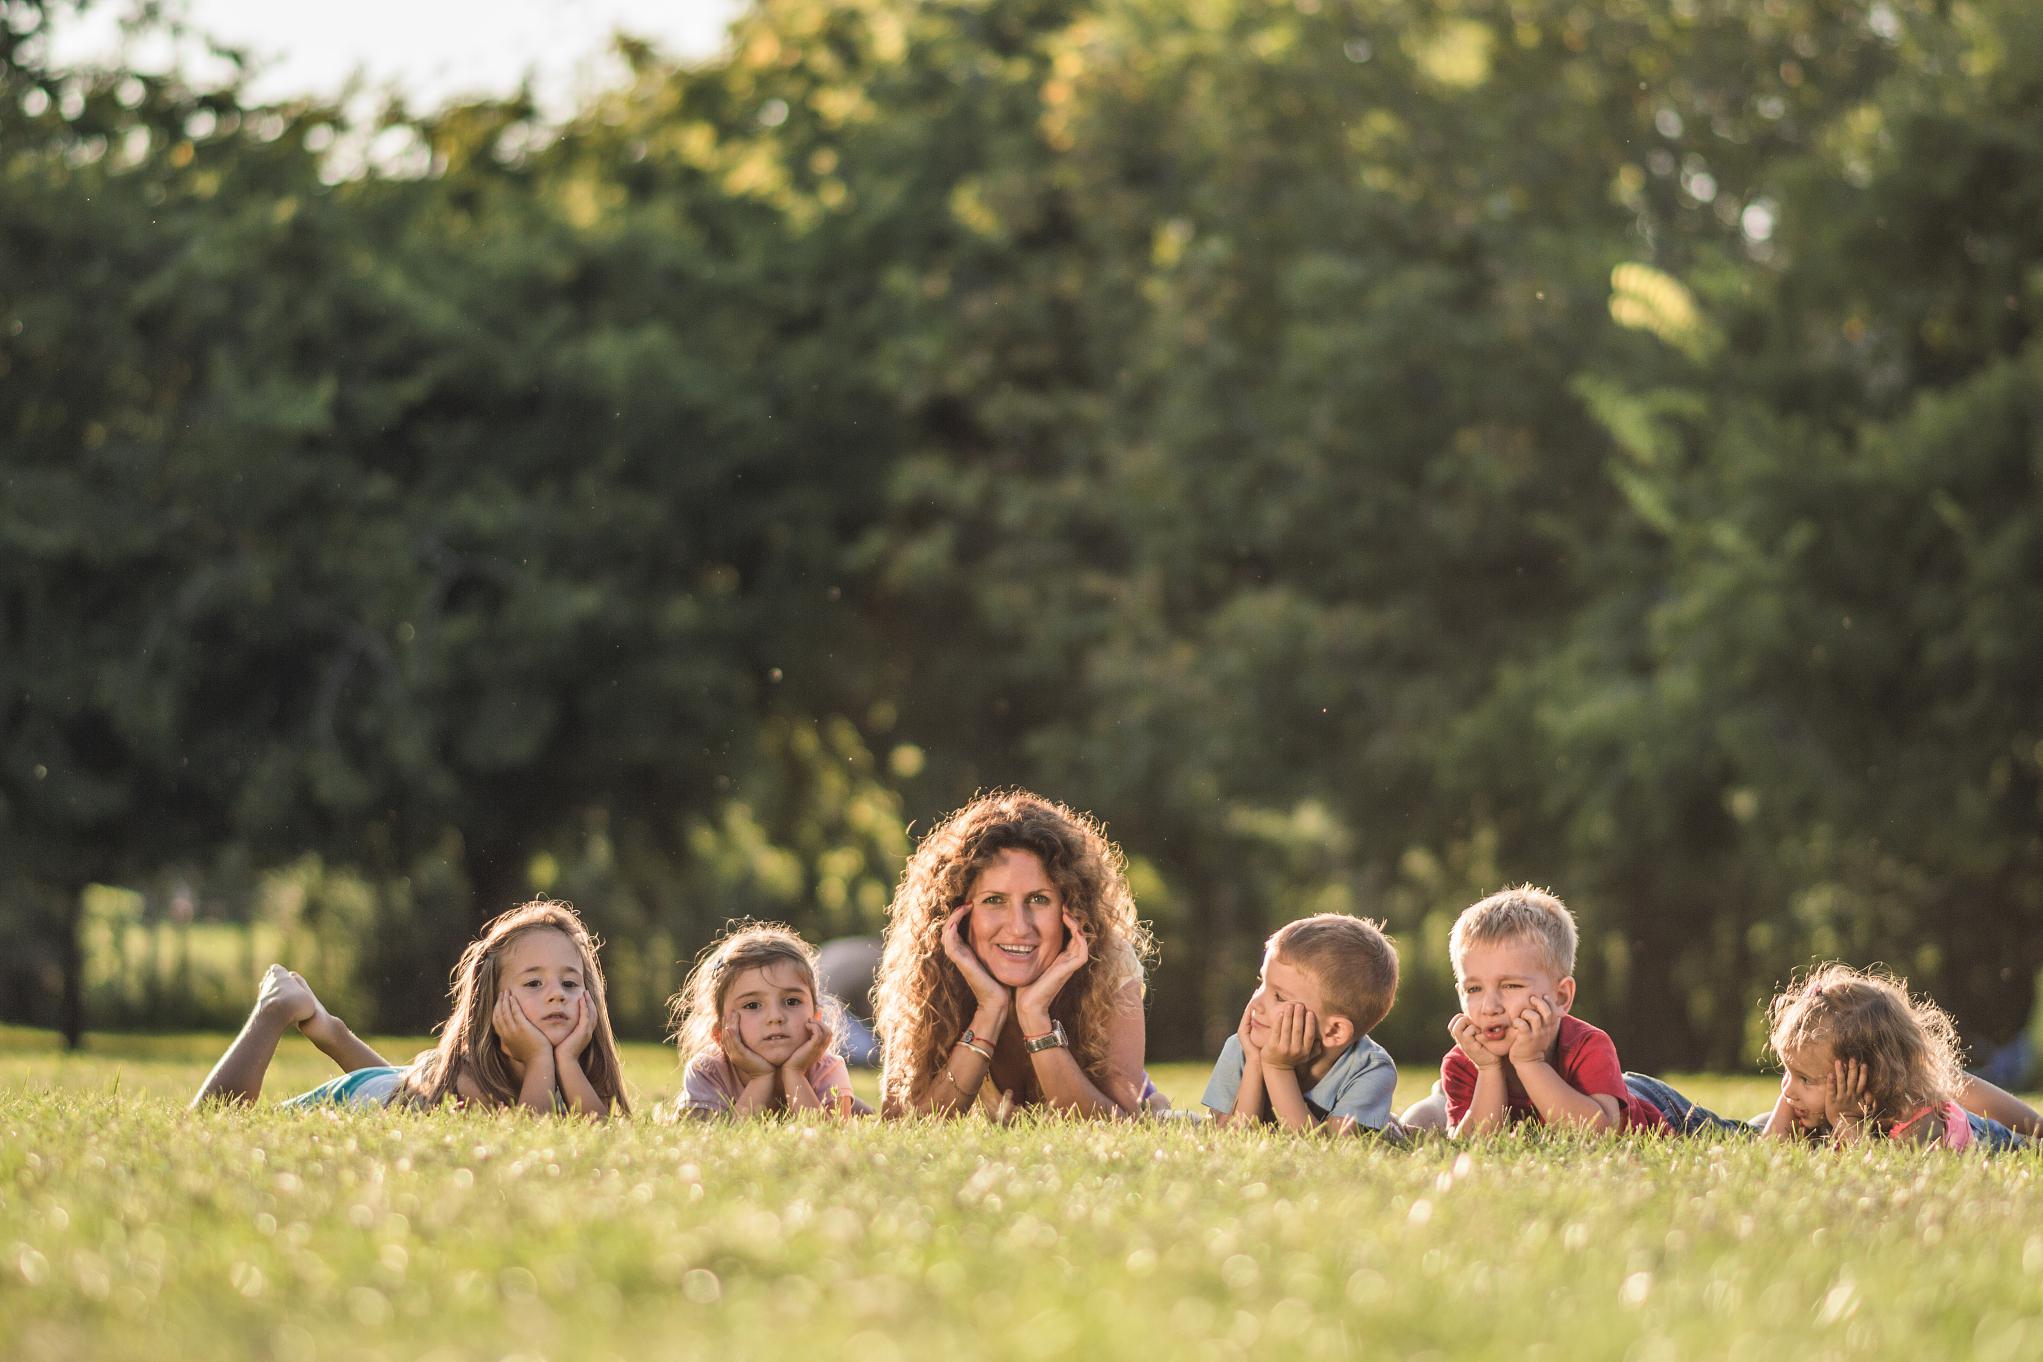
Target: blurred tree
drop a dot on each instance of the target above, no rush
(1365, 451)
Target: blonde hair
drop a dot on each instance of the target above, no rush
(1354, 963)
(1525, 913)
(1908, 1045)
(468, 1044)
(698, 1005)
(922, 1004)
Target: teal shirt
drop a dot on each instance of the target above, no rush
(372, 1087)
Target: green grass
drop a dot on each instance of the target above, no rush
(131, 1229)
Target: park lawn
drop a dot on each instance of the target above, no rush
(130, 1229)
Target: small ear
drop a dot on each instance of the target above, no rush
(1337, 1032)
(1564, 994)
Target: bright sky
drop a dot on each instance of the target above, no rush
(433, 50)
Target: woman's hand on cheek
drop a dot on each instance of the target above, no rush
(1032, 1001)
(988, 991)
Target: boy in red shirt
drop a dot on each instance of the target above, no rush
(1519, 1054)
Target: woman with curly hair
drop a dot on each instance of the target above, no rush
(1013, 967)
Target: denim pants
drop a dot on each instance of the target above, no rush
(1683, 1116)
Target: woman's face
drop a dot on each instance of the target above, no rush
(1017, 918)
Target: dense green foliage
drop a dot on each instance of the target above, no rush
(1366, 450)
(129, 1229)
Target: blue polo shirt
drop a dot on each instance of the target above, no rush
(1359, 1085)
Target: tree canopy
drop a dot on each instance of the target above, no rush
(1367, 451)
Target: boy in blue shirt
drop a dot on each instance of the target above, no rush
(1302, 1056)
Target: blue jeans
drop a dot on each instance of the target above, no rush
(1993, 1137)
(1683, 1116)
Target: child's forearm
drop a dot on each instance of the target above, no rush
(1287, 1100)
(1560, 1103)
(578, 1090)
(1996, 1104)
(757, 1095)
(536, 1084)
(1248, 1098)
(1780, 1122)
(801, 1094)
(1486, 1109)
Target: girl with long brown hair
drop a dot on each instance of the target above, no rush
(1012, 971)
(530, 1028)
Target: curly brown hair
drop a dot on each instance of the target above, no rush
(1908, 1045)
(922, 1004)
(468, 1043)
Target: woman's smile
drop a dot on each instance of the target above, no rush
(1017, 918)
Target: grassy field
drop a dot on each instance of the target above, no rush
(130, 1229)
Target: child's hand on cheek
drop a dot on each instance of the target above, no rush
(1293, 1039)
(520, 1036)
(576, 1041)
(1844, 1097)
(1532, 1035)
(1251, 1052)
(743, 1058)
(810, 1050)
(1469, 1037)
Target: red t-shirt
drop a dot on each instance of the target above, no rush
(1584, 1058)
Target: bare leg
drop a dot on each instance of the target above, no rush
(282, 1003)
(1428, 1113)
(333, 1037)
(1997, 1104)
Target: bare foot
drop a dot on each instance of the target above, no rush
(285, 998)
(322, 1028)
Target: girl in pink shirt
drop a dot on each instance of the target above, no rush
(755, 1032)
(1862, 1059)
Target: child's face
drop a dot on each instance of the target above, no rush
(1017, 925)
(773, 1006)
(1282, 984)
(1496, 981)
(543, 970)
(1805, 1074)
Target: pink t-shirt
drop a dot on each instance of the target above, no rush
(1957, 1126)
(1585, 1059)
(713, 1085)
